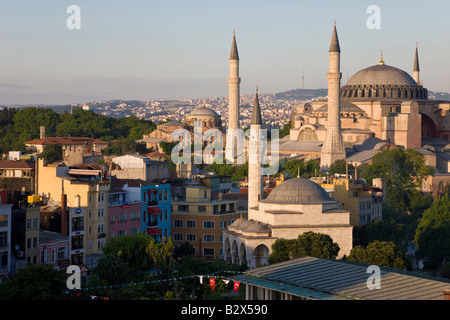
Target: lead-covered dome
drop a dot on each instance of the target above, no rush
(298, 191)
(382, 75)
(383, 81)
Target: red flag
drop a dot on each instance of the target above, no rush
(236, 286)
(212, 283)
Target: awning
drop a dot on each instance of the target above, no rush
(154, 230)
(154, 210)
(150, 191)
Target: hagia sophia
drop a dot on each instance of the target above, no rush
(379, 107)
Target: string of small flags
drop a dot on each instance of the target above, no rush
(212, 281)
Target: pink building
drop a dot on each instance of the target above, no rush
(54, 249)
(124, 213)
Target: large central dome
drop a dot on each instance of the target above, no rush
(382, 75)
(383, 82)
(298, 191)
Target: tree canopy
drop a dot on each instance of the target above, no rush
(381, 253)
(310, 243)
(432, 236)
(35, 282)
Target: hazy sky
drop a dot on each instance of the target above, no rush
(180, 49)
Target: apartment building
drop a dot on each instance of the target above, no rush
(86, 193)
(199, 217)
(5, 239)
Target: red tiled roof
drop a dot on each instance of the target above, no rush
(65, 140)
(17, 164)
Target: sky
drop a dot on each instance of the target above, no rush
(175, 49)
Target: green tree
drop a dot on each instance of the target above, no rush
(381, 253)
(340, 167)
(310, 243)
(432, 236)
(27, 122)
(125, 146)
(51, 153)
(132, 249)
(403, 172)
(162, 255)
(35, 282)
(112, 269)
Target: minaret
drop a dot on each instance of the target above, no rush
(416, 69)
(233, 87)
(333, 145)
(255, 186)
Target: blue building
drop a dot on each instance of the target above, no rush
(156, 210)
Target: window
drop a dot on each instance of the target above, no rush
(61, 253)
(190, 224)
(208, 238)
(29, 224)
(183, 208)
(121, 233)
(178, 223)
(101, 212)
(36, 224)
(201, 208)
(100, 228)
(53, 256)
(3, 239)
(35, 242)
(134, 215)
(208, 251)
(122, 217)
(134, 231)
(223, 224)
(178, 237)
(101, 197)
(28, 243)
(190, 237)
(208, 224)
(90, 213)
(112, 218)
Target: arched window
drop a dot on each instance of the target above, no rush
(307, 134)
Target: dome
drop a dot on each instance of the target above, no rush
(298, 191)
(382, 75)
(345, 106)
(203, 111)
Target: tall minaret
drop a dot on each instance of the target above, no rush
(233, 87)
(333, 145)
(416, 69)
(255, 187)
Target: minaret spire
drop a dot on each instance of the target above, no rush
(255, 186)
(416, 69)
(333, 145)
(233, 102)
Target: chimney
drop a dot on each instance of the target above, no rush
(447, 294)
(42, 132)
(64, 216)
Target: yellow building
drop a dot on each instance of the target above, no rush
(199, 218)
(32, 226)
(364, 204)
(87, 199)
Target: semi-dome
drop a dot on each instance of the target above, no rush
(298, 191)
(344, 106)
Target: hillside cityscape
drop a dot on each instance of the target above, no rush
(189, 201)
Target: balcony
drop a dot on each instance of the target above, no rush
(152, 202)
